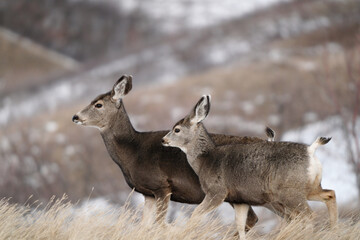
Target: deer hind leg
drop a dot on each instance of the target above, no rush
(251, 219)
(149, 209)
(210, 202)
(241, 213)
(162, 198)
(295, 204)
(329, 198)
(278, 209)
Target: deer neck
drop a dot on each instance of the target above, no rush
(200, 146)
(120, 139)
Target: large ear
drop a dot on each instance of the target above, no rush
(201, 109)
(121, 87)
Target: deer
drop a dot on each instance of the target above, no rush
(159, 173)
(281, 176)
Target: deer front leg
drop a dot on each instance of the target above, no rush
(162, 198)
(251, 219)
(241, 212)
(149, 209)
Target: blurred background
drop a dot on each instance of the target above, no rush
(292, 65)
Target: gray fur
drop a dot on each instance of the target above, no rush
(148, 167)
(270, 174)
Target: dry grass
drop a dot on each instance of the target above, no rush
(61, 219)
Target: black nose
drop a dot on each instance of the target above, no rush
(163, 141)
(75, 117)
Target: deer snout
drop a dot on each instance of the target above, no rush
(75, 118)
(164, 142)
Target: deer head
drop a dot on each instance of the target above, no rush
(103, 110)
(188, 129)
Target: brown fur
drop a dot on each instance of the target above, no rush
(270, 174)
(148, 166)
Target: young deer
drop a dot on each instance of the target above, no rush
(159, 173)
(278, 175)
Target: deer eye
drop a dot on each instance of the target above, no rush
(177, 130)
(98, 105)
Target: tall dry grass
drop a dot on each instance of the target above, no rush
(61, 219)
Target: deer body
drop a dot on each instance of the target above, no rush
(281, 176)
(148, 167)
(159, 173)
(256, 173)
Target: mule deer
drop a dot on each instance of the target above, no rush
(159, 173)
(278, 175)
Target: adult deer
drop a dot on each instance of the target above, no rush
(159, 173)
(279, 175)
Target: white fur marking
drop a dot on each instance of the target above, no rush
(183, 149)
(241, 211)
(315, 168)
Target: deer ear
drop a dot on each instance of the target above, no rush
(121, 87)
(201, 109)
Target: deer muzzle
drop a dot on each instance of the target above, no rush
(165, 142)
(76, 119)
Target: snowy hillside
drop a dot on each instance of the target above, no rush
(194, 14)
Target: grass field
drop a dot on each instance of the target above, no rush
(61, 219)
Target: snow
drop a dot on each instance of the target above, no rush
(248, 107)
(220, 51)
(175, 15)
(196, 14)
(51, 126)
(95, 206)
(307, 66)
(169, 65)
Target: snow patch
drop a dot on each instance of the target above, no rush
(51, 126)
(248, 107)
(198, 14)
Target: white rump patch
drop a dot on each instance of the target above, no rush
(315, 167)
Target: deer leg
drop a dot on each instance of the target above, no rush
(241, 212)
(251, 219)
(149, 209)
(210, 202)
(329, 198)
(162, 202)
(289, 207)
(278, 209)
(295, 206)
